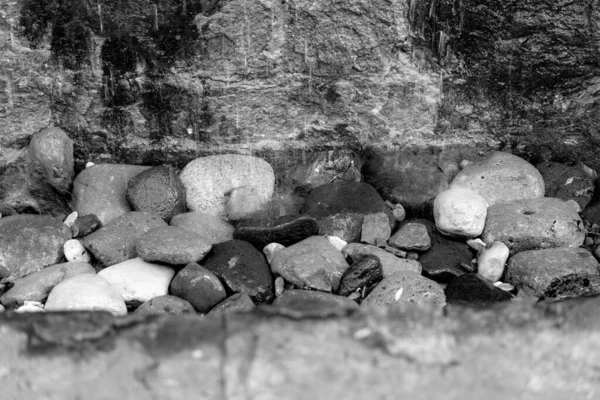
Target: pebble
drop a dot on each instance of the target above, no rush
(397, 210)
(346, 226)
(405, 287)
(2, 308)
(166, 304)
(89, 164)
(172, 245)
(286, 230)
(390, 264)
(375, 229)
(270, 250)
(85, 225)
(362, 275)
(411, 236)
(507, 287)
(474, 289)
(74, 251)
(236, 303)
(491, 261)
(30, 306)
(212, 227)
(476, 244)
(71, 218)
(279, 286)
(460, 212)
(199, 286)
(337, 242)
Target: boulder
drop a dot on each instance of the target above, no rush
(460, 212)
(172, 245)
(406, 287)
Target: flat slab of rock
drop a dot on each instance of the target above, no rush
(472, 289)
(172, 245)
(312, 304)
(558, 273)
(313, 263)
(212, 227)
(390, 264)
(30, 242)
(199, 286)
(534, 224)
(166, 304)
(286, 230)
(406, 287)
(115, 242)
(102, 190)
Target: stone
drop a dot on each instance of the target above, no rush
(89, 164)
(321, 167)
(279, 286)
(37, 285)
(51, 152)
(115, 242)
(554, 274)
(86, 292)
(74, 251)
(312, 263)
(199, 286)
(208, 179)
(172, 245)
(311, 304)
(362, 275)
(566, 182)
(507, 287)
(285, 230)
(491, 261)
(236, 303)
(166, 304)
(157, 190)
(2, 309)
(390, 264)
(85, 225)
(7, 210)
(346, 226)
(399, 212)
(30, 306)
(138, 280)
(534, 224)
(242, 203)
(411, 236)
(30, 242)
(405, 287)
(102, 190)
(337, 242)
(501, 178)
(210, 226)
(270, 250)
(71, 218)
(473, 289)
(476, 244)
(460, 212)
(375, 229)
(241, 268)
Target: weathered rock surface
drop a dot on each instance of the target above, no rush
(346, 226)
(406, 287)
(211, 226)
(375, 229)
(390, 264)
(172, 245)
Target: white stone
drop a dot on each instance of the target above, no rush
(86, 292)
(1, 308)
(70, 220)
(460, 212)
(464, 163)
(490, 264)
(270, 250)
(507, 287)
(74, 251)
(476, 244)
(89, 164)
(136, 279)
(30, 306)
(399, 212)
(279, 286)
(337, 242)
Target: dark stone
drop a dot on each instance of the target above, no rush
(366, 273)
(241, 268)
(85, 225)
(166, 304)
(300, 304)
(285, 230)
(199, 286)
(347, 226)
(4, 272)
(566, 182)
(239, 302)
(472, 289)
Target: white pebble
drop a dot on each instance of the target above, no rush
(464, 163)
(270, 250)
(70, 220)
(89, 164)
(476, 244)
(490, 264)
(575, 205)
(279, 286)
(507, 287)
(1, 308)
(337, 242)
(30, 306)
(399, 213)
(74, 250)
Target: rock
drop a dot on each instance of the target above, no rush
(208, 179)
(74, 251)
(375, 229)
(86, 292)
(312, 263)
(238, 302)
(172, 245)
(286, 230)
(411, 236)
(71, 218)
(31, 242)
(321, 167)
(199, 286)
(490, 264)
(574, 205)
(85, 225)
(211, 226)
(166, 304)
(30, 306)
(399, 212)
(405, 287)
(476, 244)
(310, 304)
(362, 276)
(138, 280)
(115, 242)
(555, 274)
(390, 264)
(51, 152)
(507, 287)
(4, 272)
(242, 202)
(157, 190)
(241, 268)
(270, 250)
(534, 224)
(89, 164)
(473, 289)
(566, 182)
(2, 309)
(460, 212)
(37, 285)
(102, 190)
(7, 210)
(337, 242)
(501, 178)
(279, 286)
(346, 226)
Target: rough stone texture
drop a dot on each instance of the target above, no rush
(473, 290)
(30, 242)
(286, 230)
(172, 245)
(210, 226)
(239, 302)
(555, 274)
(406, 287)
(321, 167)
(199, 286)
(166, 304)
(158, 191)
(102, 190)
(411, 236)
(534, 224)
(389, 262)
(115, 242)
(51, 150)
(459, 212)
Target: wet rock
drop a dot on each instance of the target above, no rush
(51, 152)
(236, 303)
(212, 227)
(534, 224)
(375, 229)
(501, 178)
(405, 287)
(346, 226)
(166, 304)
(74, 251)
(390, 264)
(555, 274)
(115, 242)
(86, 292)
(241, 268)
(208, 179)
(286, 230)
(157, 190)
(31, 242)
(411, 236)
(362, 275)
(37, 285)
(490, 264)
(172, 245)
(311, 304)
(312, 263)
(460, 212)
(102, 190)
(566, 182)
(85, 225)
(199, 286)
(138, 280)
(473, 289)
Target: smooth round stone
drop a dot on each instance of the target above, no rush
(286, 230)
(405, 287)
(86, 293)
(199, 286)
(74, 251)
(30, 306)
(85, 225)
(71, 218)
(491, 261)
(411, 236)
(172, 245)
(300, 304)
(89, 164)
(51, 151)
(138, 280)
(460, 212)
(166, 304)
(363, 274)
(239, 302)
(211, 227)
(270, 250)
(473, 289)
(390, 264)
